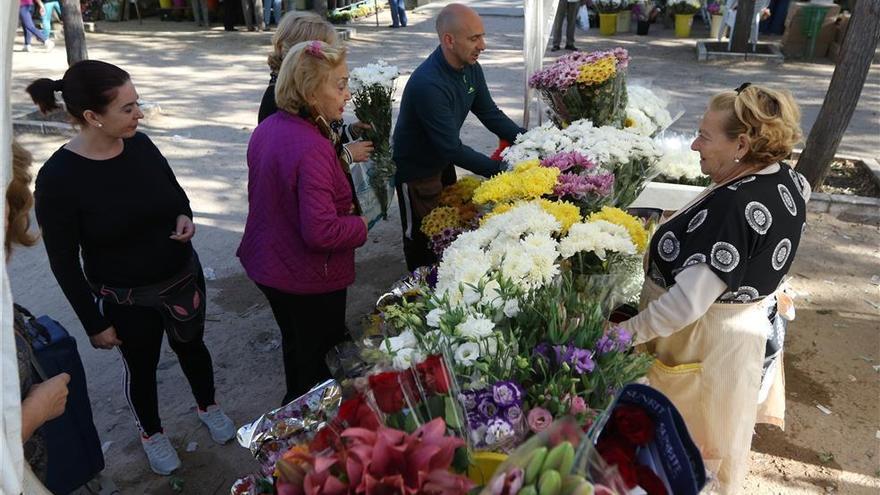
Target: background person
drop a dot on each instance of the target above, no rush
(110, 197)
(25, 16)
(41, 401)
(565, 11)
(49, 6)
(436, 100)
(301, 233)
(714, 273)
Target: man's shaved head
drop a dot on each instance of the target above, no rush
(461, 34)
(451, 18)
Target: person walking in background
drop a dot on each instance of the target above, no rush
(110, 198)
(25, 15)
(398, 13)
(302, 226)
(229, 16)
(565, 11)
(271, 10)
(49, 6)
(253, 15)
(201, 7)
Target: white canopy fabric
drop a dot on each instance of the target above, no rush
(11, 460)
(538, 19)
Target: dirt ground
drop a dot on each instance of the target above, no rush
(209, 84)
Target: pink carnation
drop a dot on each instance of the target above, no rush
(539, 419)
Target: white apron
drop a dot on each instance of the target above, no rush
(711, 370)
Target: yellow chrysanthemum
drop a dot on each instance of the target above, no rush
(527, 180)
(567, 213)
(440, 218)
(598, 71)
(461, 192)
(632, 224)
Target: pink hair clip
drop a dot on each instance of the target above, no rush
(314, 49)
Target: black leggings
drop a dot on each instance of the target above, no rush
(141, 331)
(311, 325)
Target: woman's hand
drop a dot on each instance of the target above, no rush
(44, 401)
(360, 150)
(185, 229)
(106, 339)
(358, 128)
(366, 222)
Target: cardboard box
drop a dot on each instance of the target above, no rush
(794, 43)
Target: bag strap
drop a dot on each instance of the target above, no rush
(33, 328)
(25, 335)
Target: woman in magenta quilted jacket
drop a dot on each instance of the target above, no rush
(302, 230)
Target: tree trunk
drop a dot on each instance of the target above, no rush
(843, 93)
(74, 33)
(742, 27)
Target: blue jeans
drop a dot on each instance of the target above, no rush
(270, 7)
(25, 14)
(398, 12)
(49, 6)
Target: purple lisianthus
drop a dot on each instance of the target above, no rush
(568, 160)
(542, 350)
(486, 405)
(468, 399)
(623, 337)
(514, 414)
(605, 345)
(506, 393)
(582, 360)
(563, 353)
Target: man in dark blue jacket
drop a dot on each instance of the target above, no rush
(436, 101)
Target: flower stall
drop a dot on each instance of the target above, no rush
(499, 370)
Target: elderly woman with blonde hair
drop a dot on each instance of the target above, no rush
(294, 28)
(712, 303)
(302, 230)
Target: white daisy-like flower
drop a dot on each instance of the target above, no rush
(467, 353)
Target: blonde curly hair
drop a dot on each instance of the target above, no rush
(305, 68)
(769, 118)
(19, 201)
(296, 27)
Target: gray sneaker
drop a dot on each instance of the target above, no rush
(221, 427)
(161, 454)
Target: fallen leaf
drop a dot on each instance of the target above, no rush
(824, 311)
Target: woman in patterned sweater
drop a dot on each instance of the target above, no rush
(714, 271)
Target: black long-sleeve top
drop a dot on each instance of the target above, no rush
(435, 103)
(118, 214)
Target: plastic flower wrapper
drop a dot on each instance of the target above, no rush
(642, 441)
(585, 85)
(296, 422)
(495, 416)
(381, 460)
(650, 110)
(544, 464)
(372, 90)
(571, 362)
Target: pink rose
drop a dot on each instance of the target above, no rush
(539, 419)
(578, 406)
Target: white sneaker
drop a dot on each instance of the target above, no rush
(49, 44)
(27, 48)
(161, 454)
(221, 427)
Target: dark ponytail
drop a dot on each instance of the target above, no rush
(87, 85)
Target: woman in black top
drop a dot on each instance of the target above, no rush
(110, 197)
(715, 272)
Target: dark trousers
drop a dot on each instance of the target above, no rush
(25, 15)
(311, 325)
(416, 199)
(566, 11)
(141, 331)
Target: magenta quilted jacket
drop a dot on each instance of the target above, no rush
(299, 237)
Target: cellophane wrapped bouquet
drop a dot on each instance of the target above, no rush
(585, 85)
